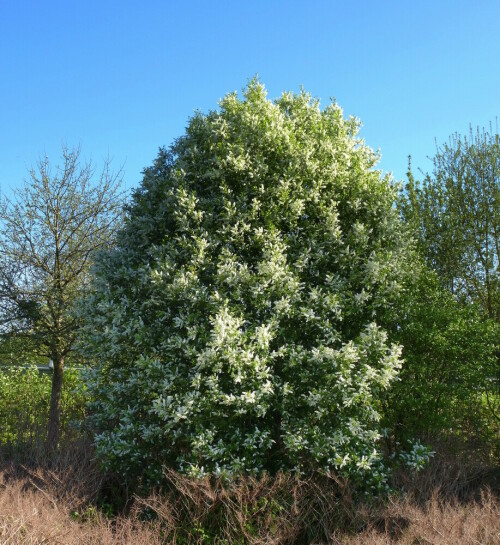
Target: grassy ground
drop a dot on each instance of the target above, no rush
(69, 501)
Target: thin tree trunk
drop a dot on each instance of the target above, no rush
(55, 403)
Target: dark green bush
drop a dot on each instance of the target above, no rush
(24, 406)
(449, 353)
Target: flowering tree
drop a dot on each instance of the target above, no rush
(234, 327)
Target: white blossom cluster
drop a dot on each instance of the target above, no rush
(236, 326)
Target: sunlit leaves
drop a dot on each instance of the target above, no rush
(235, 325)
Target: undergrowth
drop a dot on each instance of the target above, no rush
(66, 498)
(70, 501)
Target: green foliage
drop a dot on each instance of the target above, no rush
(235, 324)
(449, 355)
(456, 212)
(451, 343)
(24, 406)
(49, 233)
(19, 350)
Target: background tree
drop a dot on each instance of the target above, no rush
(49, 233)
(17, 349)
(235, 324)
(449, 355)
(456, 211)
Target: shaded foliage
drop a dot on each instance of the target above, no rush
(455, 214)
(449, 353)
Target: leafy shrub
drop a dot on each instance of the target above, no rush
(450, 355)
(235, 324)
(24, 406)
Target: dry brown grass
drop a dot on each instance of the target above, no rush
(62, 504)
(404, 522)
(271, 510)
(39, 508)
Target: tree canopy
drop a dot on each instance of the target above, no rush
(49, 233)
(456, 211)
(234, 328)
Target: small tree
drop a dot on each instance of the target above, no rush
(456, 211)
(235, 324)
(49, 233)
(456, 214)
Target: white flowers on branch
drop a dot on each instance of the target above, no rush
(235, 324)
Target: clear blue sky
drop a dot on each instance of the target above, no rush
(122, 77)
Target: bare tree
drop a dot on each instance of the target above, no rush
(49, 233)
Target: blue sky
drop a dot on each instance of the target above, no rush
(121, 78)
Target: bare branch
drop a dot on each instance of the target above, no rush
(49, 233)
